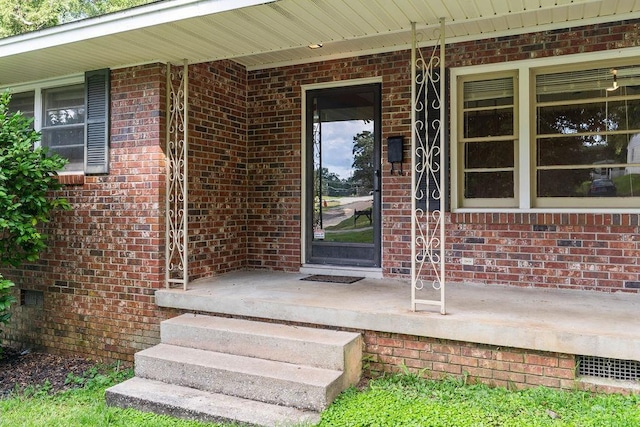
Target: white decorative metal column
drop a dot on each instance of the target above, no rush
(428, 174)
(176, 246)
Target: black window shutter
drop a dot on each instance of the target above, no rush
(97, 89)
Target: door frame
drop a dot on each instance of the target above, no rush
(304, 199)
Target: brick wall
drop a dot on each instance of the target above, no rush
(594, 38)
(579, 251)
(217, 168)
(273, 166)
(105, 256)
(497, 366)
(511, 368)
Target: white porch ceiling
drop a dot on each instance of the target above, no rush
(261, 34)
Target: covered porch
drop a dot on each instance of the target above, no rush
(493, 317)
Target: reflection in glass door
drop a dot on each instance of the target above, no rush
(343, 176)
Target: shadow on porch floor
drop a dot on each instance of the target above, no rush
(563, 321)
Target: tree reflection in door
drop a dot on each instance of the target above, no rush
(343, 179)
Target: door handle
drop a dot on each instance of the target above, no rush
(376, 180)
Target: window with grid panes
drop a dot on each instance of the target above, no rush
(63, 124)
(73, 120)
(579, 145)
(587, 137)
(487, 143)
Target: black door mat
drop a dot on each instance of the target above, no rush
(332, 279)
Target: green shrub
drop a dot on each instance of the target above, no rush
(27, 175)
(6, 299)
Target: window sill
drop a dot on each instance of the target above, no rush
(593, 210)
(71, 179)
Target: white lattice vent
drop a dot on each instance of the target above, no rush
(603, 367)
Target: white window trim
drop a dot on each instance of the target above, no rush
(504, 203)
(525, 158)
(38, 88)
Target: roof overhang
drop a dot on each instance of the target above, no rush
(267, 33)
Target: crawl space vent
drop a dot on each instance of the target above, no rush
(614, 369)
(31, 298)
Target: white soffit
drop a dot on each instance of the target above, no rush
(261, 34)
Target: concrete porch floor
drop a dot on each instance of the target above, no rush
(563, 321)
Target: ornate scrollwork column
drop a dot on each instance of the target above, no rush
(176, 247)
(428, 174)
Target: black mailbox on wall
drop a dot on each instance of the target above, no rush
(395, 147)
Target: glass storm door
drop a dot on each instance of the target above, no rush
(343, 176)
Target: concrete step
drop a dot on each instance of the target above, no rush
(184, 402)
(221, 369)
(300, 345)
(267, 381)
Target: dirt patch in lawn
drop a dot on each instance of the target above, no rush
(20, 370)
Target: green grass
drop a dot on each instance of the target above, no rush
(348, 224)
(357, 236)
(82, 406)
(360, 231)
(411, 401)
(628, 185)
(392, 401)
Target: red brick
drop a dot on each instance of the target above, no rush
(567, 374)
(535, 359)
(506, 356)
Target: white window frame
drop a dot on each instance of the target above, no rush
(77, 146)
(97, 95)
(526, 159)
(38, 102)
(479, 202)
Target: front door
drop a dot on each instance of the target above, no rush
(343, 176)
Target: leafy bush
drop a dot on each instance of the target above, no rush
(27, 174)
(6, 299)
